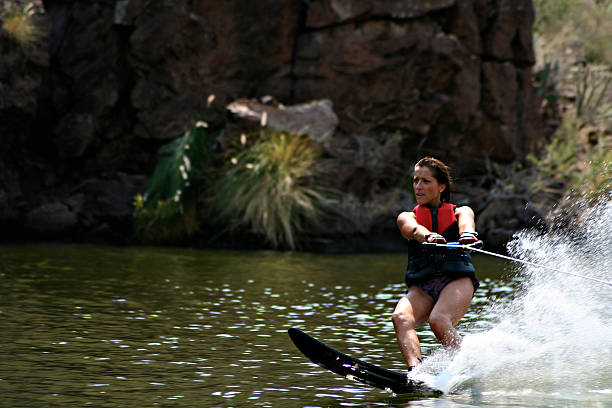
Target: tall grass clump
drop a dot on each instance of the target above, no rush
(273, 188)
(166, 211)
(20, 25)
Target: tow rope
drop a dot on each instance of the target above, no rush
(472, 247)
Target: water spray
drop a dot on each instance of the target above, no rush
(548, 337)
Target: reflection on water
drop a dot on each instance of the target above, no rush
(105, 326)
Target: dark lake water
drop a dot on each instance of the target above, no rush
(135, 327)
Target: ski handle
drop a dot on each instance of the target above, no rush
(454, 245)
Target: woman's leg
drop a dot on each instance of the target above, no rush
(412, 310)
(452, 304)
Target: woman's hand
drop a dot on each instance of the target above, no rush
(435, 238)
(468, 237)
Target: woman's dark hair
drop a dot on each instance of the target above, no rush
(441, 173)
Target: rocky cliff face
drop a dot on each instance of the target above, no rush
(83, 112)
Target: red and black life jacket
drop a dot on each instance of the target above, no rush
(444, 222)
(424, 263)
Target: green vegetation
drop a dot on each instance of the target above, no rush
(20, 26)
(582, 27)
(273, 188)
(270, 187)
(574, 47)
(273, 184)
(593, 103)
(166, 212)
(546, 80)
(573, 167)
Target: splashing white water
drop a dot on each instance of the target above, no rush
(556, 334)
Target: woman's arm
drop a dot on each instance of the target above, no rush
(465, 218)
(410, 228)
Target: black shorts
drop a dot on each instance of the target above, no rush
(434, 286)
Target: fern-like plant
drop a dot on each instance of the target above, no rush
(273, 188)
(166, 211)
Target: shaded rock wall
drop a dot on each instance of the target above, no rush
(114, 80)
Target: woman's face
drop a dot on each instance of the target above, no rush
(427, 190)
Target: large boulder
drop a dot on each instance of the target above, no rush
(316, 119)
(51, 220)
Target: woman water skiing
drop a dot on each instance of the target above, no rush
(440, 283)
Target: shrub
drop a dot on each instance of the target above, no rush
(273, 188)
